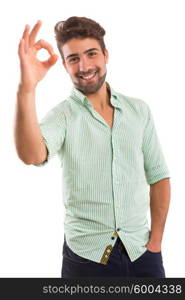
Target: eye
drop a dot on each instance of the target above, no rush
(93, 53)
(73, 59)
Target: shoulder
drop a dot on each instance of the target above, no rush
(134, 104)
(60, 109)
(56, 115)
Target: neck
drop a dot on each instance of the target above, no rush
(101, 99)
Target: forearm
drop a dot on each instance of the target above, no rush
(159, 205)
(28, 139)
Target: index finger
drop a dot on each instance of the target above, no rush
(34, 32)
(43, 44)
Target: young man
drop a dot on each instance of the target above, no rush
(110, 152)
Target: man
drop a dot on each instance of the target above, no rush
(114, 168)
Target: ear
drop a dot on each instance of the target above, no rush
(106, 54)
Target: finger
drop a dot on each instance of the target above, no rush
(26, 37)
(41, 44)
(51, 61)
(21, 50)
(34, 32)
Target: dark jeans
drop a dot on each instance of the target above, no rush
(149, 264)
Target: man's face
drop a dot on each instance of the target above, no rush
(86, 64)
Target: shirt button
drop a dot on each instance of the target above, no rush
(118, 229)
(112, 237)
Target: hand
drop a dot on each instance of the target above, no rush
(33, 70)
(153, 246)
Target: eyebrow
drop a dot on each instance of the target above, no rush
(86, 51)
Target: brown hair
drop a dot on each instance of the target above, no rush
(78, 27)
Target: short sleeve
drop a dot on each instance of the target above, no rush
(154, 161)
(53, 129)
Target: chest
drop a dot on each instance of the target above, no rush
(108, 115)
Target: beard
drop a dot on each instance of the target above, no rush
(90, 88)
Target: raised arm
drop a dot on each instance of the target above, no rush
(30, 146)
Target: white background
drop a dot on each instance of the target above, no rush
(145, 39)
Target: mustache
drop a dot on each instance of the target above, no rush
(89, 72)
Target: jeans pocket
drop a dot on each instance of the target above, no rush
(157, 253)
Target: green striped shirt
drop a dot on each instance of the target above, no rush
(106, 172)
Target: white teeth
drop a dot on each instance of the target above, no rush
(88, 77)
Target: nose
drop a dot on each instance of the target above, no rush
(84, 64)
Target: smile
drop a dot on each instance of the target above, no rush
(88, 77)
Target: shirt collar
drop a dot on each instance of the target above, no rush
(81, 98)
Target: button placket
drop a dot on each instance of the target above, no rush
(106, 254)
